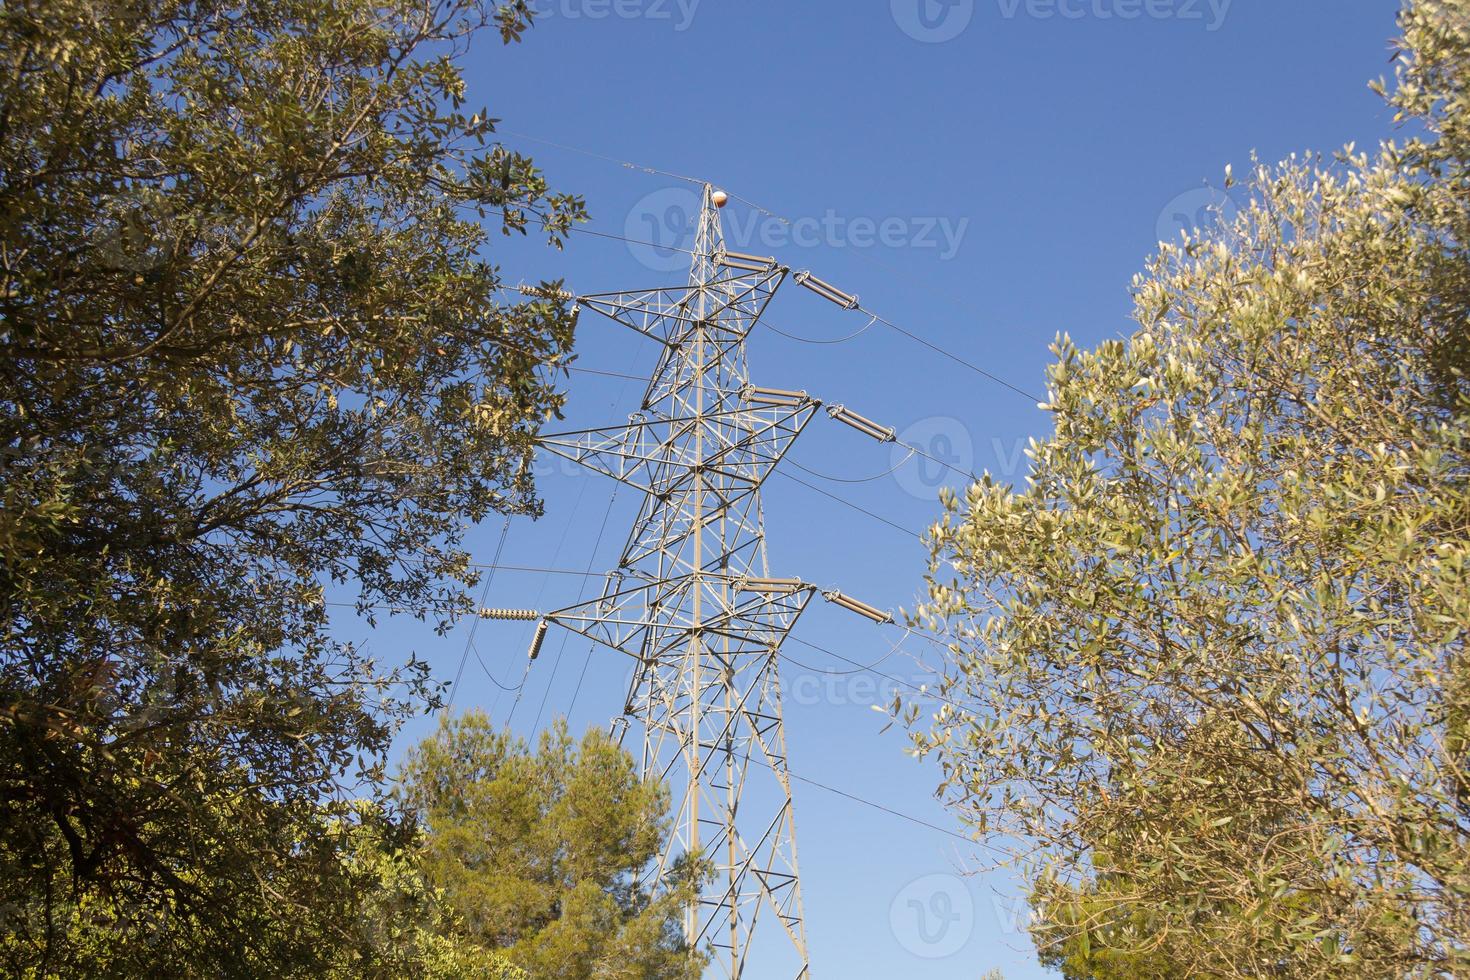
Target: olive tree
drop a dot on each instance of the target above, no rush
(1208, 681)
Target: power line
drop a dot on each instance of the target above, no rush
(952, 356)
(631, 241)
(533, 568)
(808, 340)
(871, 668)
(873, 804)
(574, 229)
(847, 503)
(602, 156)
(498, 566)
(504, 687)
(566, 531)
(923, 689)
(475, 625)
(607, 374)
(888, 810)
(556, 665)
(782, 218)
(861, 668)
(935, 459)
(591, 559)
(936, 348)
(866, 479)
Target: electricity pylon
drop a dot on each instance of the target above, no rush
(692, 599)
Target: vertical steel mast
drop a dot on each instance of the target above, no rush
(693, 602)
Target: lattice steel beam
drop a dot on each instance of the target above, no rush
(693, 602)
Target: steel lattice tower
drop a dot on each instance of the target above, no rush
(692, 600)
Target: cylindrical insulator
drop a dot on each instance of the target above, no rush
(864, 425)
(826, 290)
(771, 584)
(777, 397)
(544, 292)
(521, 614)
(538, 639)
(747, 263)
(861, 608)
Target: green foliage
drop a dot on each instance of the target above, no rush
(544, 854)
(1209, 665)
(400, 926)
(248, 346)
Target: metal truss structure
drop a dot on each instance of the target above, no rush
(693, 602)
(692, 599)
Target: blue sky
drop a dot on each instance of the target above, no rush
(985, 173)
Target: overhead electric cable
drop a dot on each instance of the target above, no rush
(784, 220)
(807, 340)
(556, 664)
(847, 503)
(475, 625)
(600, 156)
(866, 479)
(952, 356)
(607, 374)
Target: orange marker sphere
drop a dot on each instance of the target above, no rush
(720, 198)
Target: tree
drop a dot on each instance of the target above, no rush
(1209, 675)
(547, 855)
(249, 347)
(401, 927)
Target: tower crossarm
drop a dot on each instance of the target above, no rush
(628, 620)
(733, 303)
(741, 445)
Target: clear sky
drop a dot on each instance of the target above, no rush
(985, 173)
